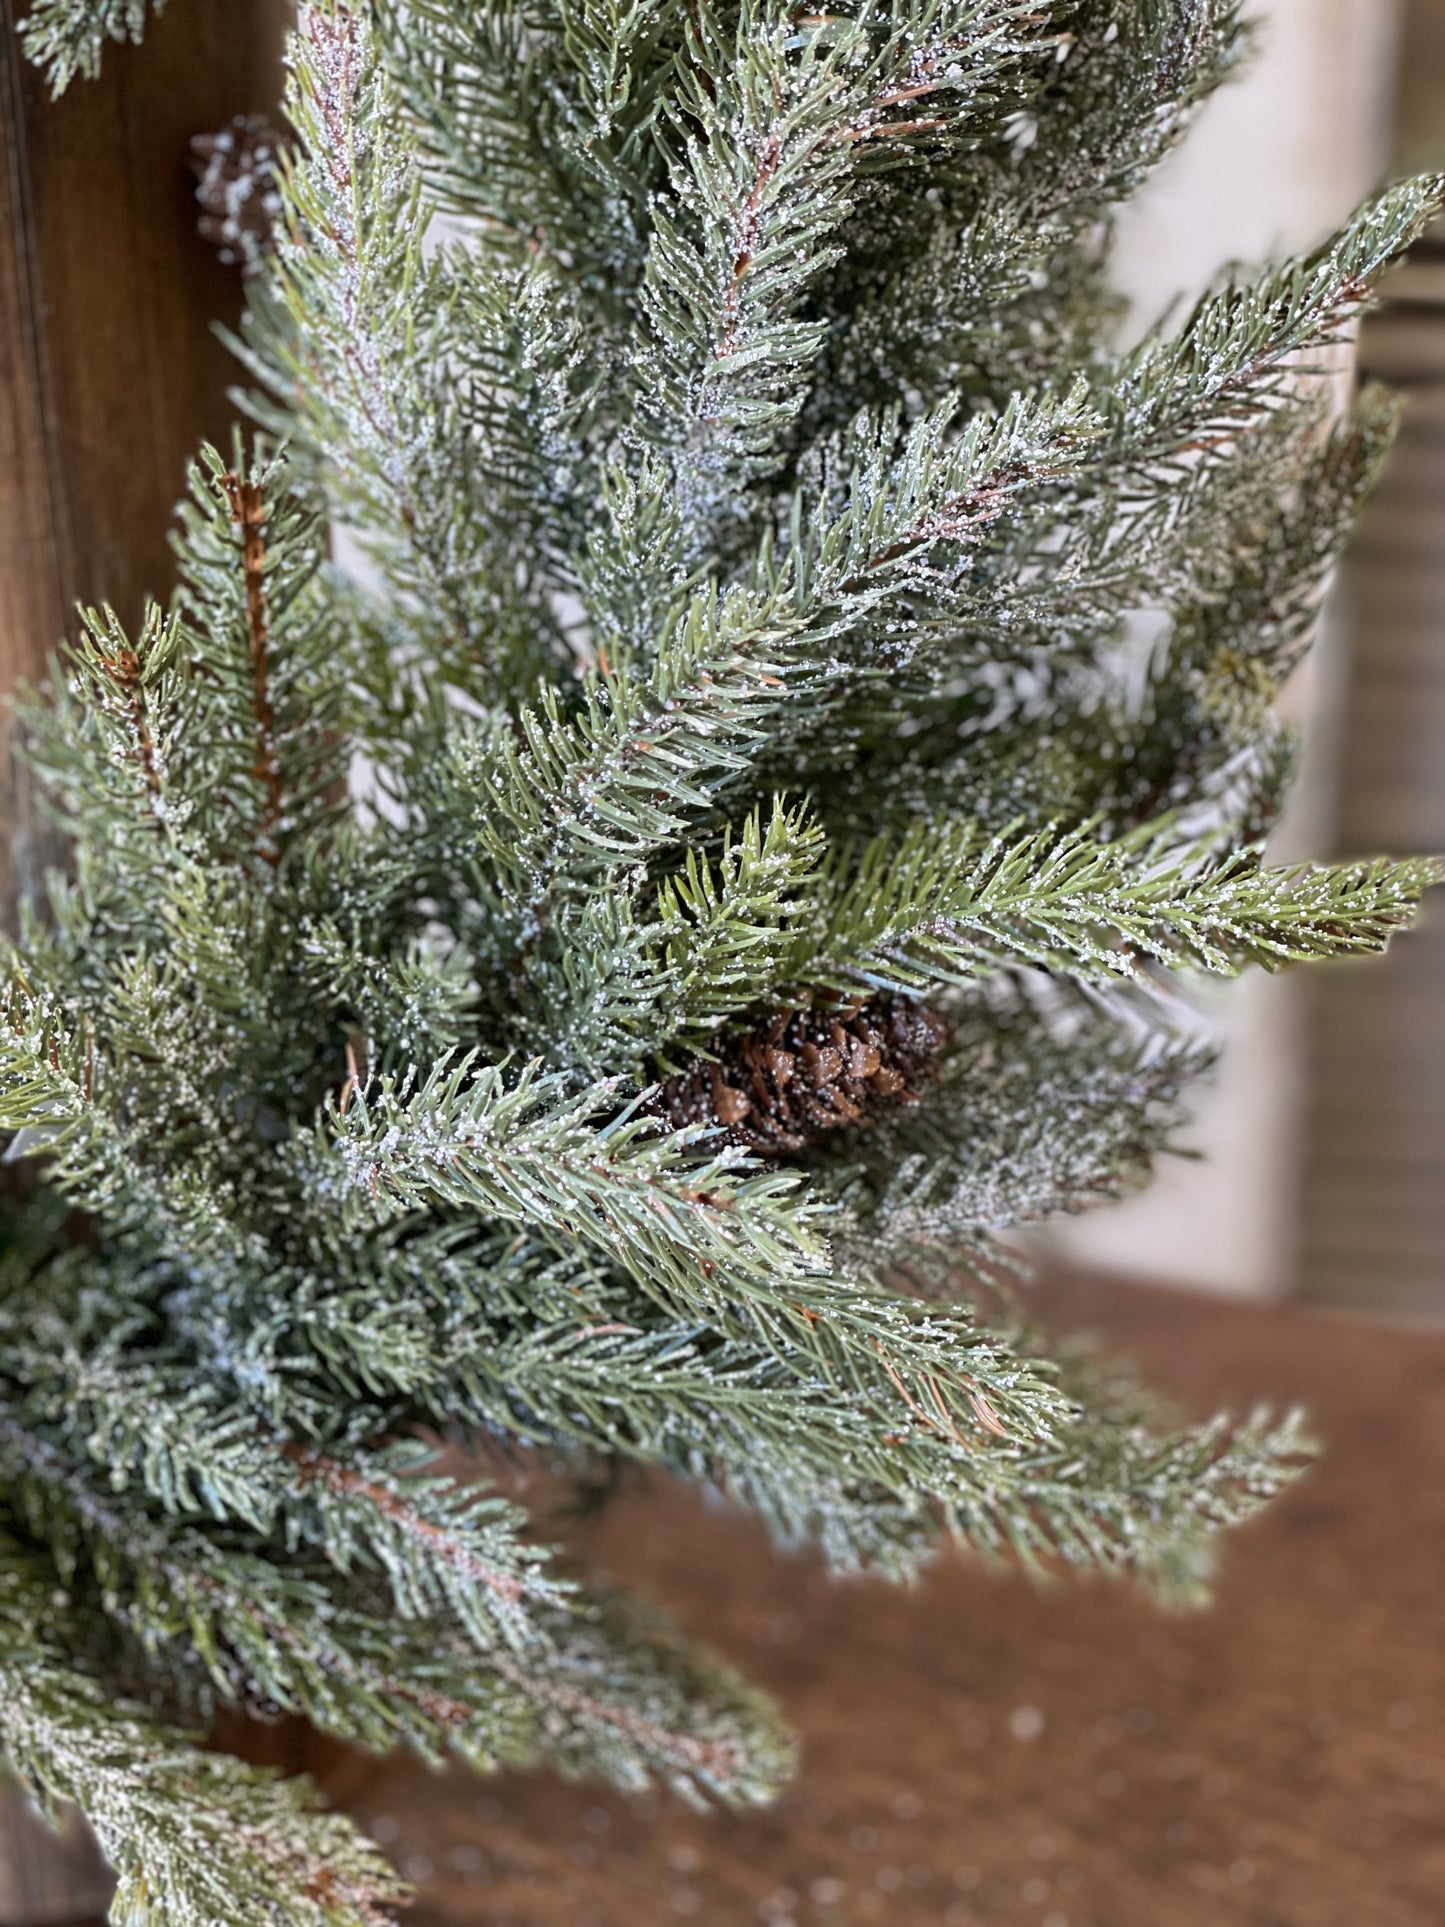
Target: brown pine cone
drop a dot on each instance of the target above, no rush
(804, 1074)
(237, 187)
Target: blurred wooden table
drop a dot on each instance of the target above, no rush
(975, 1751)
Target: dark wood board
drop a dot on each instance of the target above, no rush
(110, 371)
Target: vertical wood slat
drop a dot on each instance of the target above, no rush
(109, 370)
(1372, 1193)
(48, 1879)
(109, 375)
(1372, 1221)
(1420, 93)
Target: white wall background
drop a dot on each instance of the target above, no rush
(1275, 161)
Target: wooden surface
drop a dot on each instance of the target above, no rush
(47, 1878)
(109, 371)
(109, 375)
(1420, 106)
(977, 1751)
(1372, 1195)
(1372, 1182)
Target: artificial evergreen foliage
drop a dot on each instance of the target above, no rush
(792, 632)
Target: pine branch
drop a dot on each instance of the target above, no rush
(645, 757)
(1237, 353)
(212, 737)
(707, 1239)
(993, 274)
(1040, 1108)
(66, 38)
(946, 906)
(1235, 560)
(584, 1168)
(515, 125)
(52, 1084)
(444, 1549)
(104, 741)
(722, 923)
(194, 1837)
(772, 119)
(248, 512)
(874, 1472)
(899, 1411)
(387, 358)
(441, 1548)
(631, 1704)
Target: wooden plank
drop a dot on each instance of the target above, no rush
(1420, 106)
(107, 295)
(1373, 1152)
(1419, 282)
(109, 376)
(1404, 345)
(1407, 1298)
(48, 1879)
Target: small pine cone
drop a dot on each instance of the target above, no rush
(238, 189)
(804, 1074)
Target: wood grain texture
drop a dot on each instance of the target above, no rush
(109, 375)
(1372, 1190)
(1371, 1226)
(47, 1879)
(109, 369)
(1420, 111)
(976, 1751)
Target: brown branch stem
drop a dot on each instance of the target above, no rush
(248, 512)
(316, 1468)
(124, 667)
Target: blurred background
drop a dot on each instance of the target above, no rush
(1322, 1174)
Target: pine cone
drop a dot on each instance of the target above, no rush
(806, 1073)
(237, 186)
